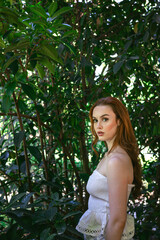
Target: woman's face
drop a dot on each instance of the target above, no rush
(105, 122)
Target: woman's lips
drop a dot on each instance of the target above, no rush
(100, 133)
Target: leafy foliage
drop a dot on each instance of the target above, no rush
(50, 54)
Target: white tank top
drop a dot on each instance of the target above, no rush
(94, 220)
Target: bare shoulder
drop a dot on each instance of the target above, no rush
(118, 158)
(119, 163)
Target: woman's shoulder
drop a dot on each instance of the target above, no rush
(119, 157)
(120, 162)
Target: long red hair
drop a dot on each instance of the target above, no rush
(125, 137)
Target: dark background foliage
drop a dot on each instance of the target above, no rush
(56, 59)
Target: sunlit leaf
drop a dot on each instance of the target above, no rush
(50, 52)
(40, 71)
(52, 8)
(61, 11)
(39, 11)
(2, 44)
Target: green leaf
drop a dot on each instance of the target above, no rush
(10, 14)
(29, 91)
(71, 214)
(52, 8)
(21, 45)
(10, 88)
(15, 198)
(18, 137)
(14, 67)
(40, 71)
(146, 36)
(9, 62)
(117, 66)
(22, 105)
(68, 33)
(45, 234)
(51, 237)
(6, 103)
(26, 199)
(35, 152)
(70, 47)
(60, 227)
(39, 11)
(128, 44)
(12, 233)
(48, 64)
(2, 44)
(51, 52)
(61, 11)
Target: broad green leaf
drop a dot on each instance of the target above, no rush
(52, 8)
(21, 77)
(10, 61)
(39, 11)
(51, 237)
(2, 44)
(11, 2)
(117, 66)
(40, 71)
(50, 52)
(48, 64)
(44, 234)
(6, 103)
(146, 36)
(128, 44)
(15, 198)
(14, 67)
(61, 11)
(60, 227)
(10, 14)
(26, 199)
(29, 91)
(35, 152)
(21, 45)
(70, 47)
(12, 233)
(71, 214)
(18, 137)
(50, 213)
(10, 88)
(22, 105)
(68, 33)
(134, 57)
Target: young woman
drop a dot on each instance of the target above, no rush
(117, 174)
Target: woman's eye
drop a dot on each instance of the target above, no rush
(94, 120)
(105, 119)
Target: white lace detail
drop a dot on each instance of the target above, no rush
(92, 224)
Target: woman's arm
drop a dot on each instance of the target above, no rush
(117, 173)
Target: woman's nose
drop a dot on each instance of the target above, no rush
(99, 125)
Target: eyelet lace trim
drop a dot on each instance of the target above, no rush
(93, 232)
(97, 229)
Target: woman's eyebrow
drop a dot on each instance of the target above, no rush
(102, 115)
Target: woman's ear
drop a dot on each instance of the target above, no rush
(118, 122)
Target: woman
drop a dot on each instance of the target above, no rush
(117, 174)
